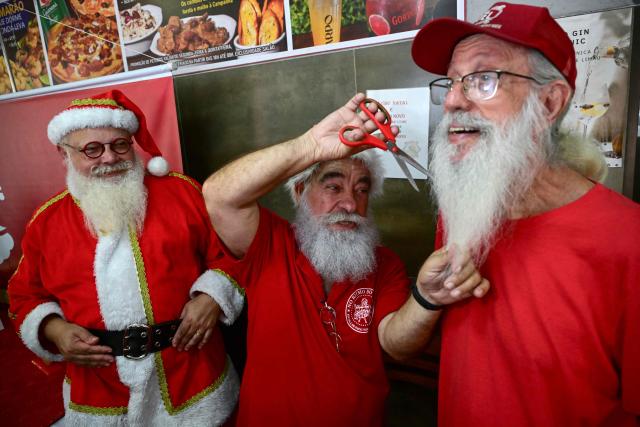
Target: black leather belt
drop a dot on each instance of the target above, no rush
(136, 341)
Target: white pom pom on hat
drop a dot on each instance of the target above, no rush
(109, 109)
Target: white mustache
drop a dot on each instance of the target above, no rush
(100, 170)
(468, 120)
(336, 217)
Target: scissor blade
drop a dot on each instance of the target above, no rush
(405, 170)
(413, 162)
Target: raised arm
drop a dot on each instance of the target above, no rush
(232, 192)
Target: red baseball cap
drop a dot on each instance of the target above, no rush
(528, 26)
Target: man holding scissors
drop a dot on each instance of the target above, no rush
(556, 341)
(324, 299)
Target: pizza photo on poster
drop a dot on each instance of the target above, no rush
(22, 42)
(326, 22)
(82, 39)
(185, 31)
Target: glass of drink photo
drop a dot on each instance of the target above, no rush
(325, 17)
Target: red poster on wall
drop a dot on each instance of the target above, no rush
(31, 169)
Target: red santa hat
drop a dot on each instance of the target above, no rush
(109, 109)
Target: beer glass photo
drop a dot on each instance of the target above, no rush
(325, 17)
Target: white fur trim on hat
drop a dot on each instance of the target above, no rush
(93, 117)
(158, 166)
(219, 287)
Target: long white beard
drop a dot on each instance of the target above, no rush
(110, 204)
(475, 193)
(336, 255)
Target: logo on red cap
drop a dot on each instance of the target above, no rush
(490, 15)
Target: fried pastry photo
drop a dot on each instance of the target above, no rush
(260, 26)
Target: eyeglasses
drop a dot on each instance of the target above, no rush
(95, 149)
(476, 86)
(328, 317)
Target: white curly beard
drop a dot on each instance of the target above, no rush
(474, 194)
(110, 204)
(336, 255)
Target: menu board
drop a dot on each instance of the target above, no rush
(23, 52)
(57, 42)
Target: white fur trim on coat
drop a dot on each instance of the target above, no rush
(29, 330)
(121, 304)
(220, 288)
(93, 117)
(212, 410)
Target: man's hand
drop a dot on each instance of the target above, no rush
(76, 344)
(448, 276)
(199, 317)
(325, 133)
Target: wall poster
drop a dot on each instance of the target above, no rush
(22, 52)
(57, 42)
(409, 110)
(599, 107)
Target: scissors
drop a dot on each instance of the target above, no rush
(387, 144)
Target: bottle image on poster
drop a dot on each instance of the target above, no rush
(82, 39)
(23, 45)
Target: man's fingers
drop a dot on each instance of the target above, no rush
(98, 349)
(353, 103)
(456, 279)
(467, 286)
(195, 339)
(354, 134)
(205, 338)
(435, 265)
(482, 289)
(92, 360)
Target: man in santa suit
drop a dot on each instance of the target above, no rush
(118, 278)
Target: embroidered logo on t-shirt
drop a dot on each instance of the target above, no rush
(359, 310)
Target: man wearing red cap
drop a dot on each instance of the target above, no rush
(555, 341)
(118, 278)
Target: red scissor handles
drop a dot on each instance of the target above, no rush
(385, 128)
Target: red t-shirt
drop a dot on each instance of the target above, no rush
(294, 375)
(556, 342)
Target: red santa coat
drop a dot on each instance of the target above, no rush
(113, 281)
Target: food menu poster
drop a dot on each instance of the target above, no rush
(23, 54)
(66, 41)
(599, 106)
(192, 32)
(409, 110)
